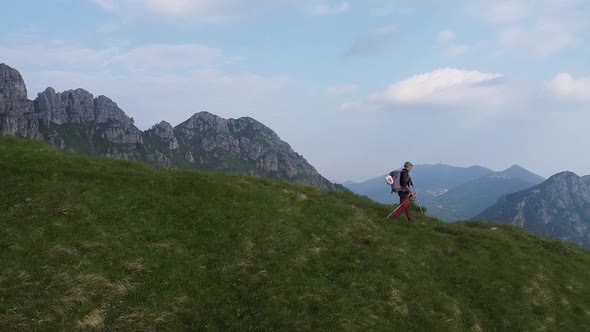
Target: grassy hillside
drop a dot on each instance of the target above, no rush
(98, 244)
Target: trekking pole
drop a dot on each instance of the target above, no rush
(416, 198)
(389, 215)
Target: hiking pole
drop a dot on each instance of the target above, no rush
(416, 198)
(389, 215)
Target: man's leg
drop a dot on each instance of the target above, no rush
(404, 201)
(407, 208)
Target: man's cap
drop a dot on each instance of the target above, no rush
(407, 163)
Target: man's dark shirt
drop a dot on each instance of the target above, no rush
(404, 179)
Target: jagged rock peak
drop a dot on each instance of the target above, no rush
(165, 131)
(78, 106)
(205, 121)
(244, 128)
(205, 115)
(212, 118)
(564, 175)
(248, 121)
(108, 110)
(72, 106)
(12, 83)
(16, 110)
(163, 126)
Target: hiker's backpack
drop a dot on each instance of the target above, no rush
(393, 179)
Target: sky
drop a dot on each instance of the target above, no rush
(356, 87)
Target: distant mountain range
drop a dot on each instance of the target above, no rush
(75, 120)
(466, 200)
(430, 181)
(558, 207)
(453, 193)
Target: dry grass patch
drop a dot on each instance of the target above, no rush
(248, 255)
(397, 302)
(92, 322)
(10, 247)
(60, 250)
(161, 246)
(476, 328)
(301, 259)
(316, 250)
(396, 298)
(138, 319)
(538, 293)
(11, 278)
(134, 320)
(135, 267)
(82, 289)
(93, 245)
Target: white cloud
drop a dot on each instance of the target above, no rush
(341, 90)
(109, 5)
(175, 7)
(510, 36)
(445, 89)
(456, 50)
(374, 42)
(446, 86)
(535, 28)
(107, 28)
(383, 10)
(208, 11)
(57, 56)
(149, 57)
(169, 56)
(515, 11)
(445, 36)
(150, 83)
(360, 106)
(564, 86)
(215, 11)
(322, 9)
(173, 97)
(504, 10)
(542, 39)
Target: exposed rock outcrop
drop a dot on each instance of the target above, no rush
(75, 120)
(558, 207)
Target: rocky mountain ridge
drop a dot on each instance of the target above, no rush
(558, 207)
(77, 121)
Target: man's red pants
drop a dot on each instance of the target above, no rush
(404, 205)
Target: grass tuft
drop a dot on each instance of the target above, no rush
(92, 322)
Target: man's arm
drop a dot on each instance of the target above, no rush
(409, 189)
(405, 178)
(405, 181)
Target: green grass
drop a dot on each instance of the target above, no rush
(98, 244)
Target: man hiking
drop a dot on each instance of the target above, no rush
(406, 191)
